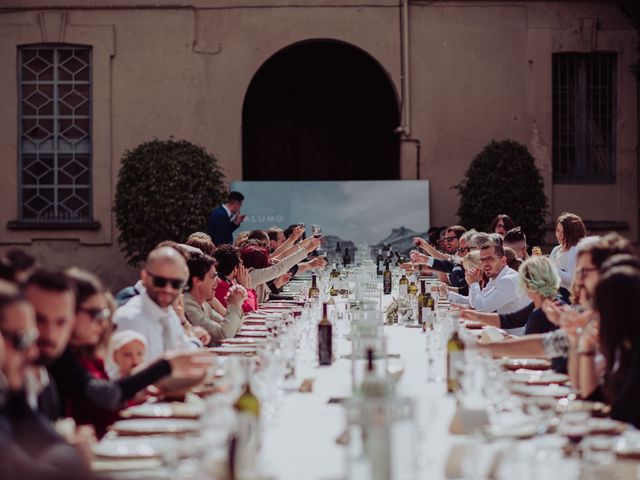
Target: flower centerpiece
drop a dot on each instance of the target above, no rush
(399, 310)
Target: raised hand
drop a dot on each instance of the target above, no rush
(242, 277)
(236, 295)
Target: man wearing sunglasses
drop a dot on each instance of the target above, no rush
(29, 446)
(151, 313)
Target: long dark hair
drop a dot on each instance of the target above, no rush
(617, 299)
(506, 220)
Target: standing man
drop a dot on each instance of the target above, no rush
(225, 219)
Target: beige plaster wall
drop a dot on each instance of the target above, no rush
(480, 70)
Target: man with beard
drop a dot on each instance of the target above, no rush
(52, 295)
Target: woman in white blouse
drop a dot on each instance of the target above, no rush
(569, 230)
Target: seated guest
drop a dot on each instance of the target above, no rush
(126, 351)
(513, 261)
(569, 231)
(52, 295)
(201, 287)
(151, 313)
(593, 253)
(451, 243)
(617, 337)
(89, 337)
(202, 242)
(501, 293)
(225, 219)
(231, 272)
(16, 265)
(501, 225)
(517, 240)
(29, 446)
(276, 238)
(259, 238)
(256, 260)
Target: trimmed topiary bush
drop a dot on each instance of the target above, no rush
(165, 191)
(503, 178)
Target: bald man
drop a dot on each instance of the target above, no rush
(151, 313)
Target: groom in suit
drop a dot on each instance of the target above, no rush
(225, 219)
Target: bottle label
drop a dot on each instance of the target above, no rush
(248, 444)
(455, 361)
(427, 319)
(380, 266)
(403, 290)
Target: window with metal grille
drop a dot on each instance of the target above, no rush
(584, 124)
(54, 134)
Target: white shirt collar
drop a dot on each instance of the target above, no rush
(227, 210)
(152, 309)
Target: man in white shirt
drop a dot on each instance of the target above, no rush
(501, 294)
(151, 313)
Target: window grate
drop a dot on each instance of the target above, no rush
(584, 128)
(55, 167)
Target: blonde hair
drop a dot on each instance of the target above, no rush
(471, 260)
(539, 274)
(241, 239)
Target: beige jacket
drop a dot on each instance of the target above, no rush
(202, 315)
(260, 276)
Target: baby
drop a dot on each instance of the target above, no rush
(126, 352)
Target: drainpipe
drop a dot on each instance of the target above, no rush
(405, 70)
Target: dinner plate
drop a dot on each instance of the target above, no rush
(251, 334)
(527, 363)
(110, 465)
(553, 391)
(155, 426)
(605, 426)
(474, 325)
(243, 341)
(539, 377)
(597, 409)
(526, 430)
(163, 410)
(254, 328)
(134, 447)
(232, 350)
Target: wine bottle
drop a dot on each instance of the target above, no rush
(346, 260)
(455, 357)
(247, 436)
(380, 262)
(422, 303)
(314, 291)
(325, 339)
(387, 279)
(403, 285)
(413, 288)
(334, 272)
(373, 385)
(338, 250)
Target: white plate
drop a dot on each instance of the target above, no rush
(605, 426)
(155, 426)
(125, 465)
(134, 447)
(233, 350)
(526, 430)
(242, 341)
(538, 378)
(553, 391)
(164, 410)
(527, 363)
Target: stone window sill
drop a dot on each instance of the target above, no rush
(17, 225)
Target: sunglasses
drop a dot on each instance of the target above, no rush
(96, 314)
(161, 282)
(21, 340)
(450, 239)
(464, 249)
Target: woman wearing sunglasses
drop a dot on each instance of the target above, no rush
(89, 340)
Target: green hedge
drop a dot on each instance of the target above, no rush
(503, 178)
(165, 191)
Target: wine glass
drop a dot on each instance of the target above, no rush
(316, 231)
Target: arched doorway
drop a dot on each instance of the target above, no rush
(320, 110)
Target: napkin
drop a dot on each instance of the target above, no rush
(467, 420)
(485, 463)
(491, 334)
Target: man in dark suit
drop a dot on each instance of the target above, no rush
(225, 219)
